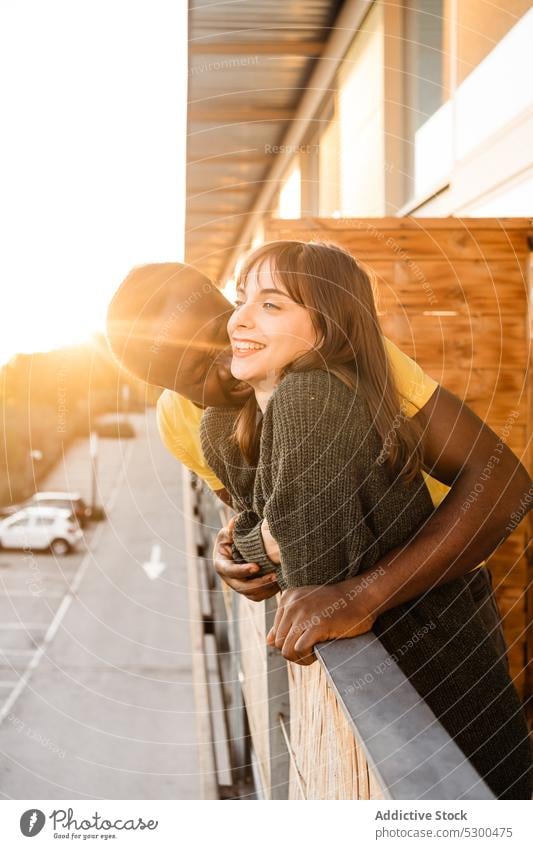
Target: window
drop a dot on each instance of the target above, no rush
(428, 114)
(425, 59)
(290, 193)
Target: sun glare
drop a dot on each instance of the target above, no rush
(92, 159)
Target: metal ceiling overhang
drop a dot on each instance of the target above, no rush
(249, 65)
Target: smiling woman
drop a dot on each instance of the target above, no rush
(312, 306)
(267, 329)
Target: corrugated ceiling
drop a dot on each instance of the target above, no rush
(249, 61)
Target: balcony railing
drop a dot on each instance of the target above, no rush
(333, 730)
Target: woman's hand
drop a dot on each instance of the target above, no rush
(270, 544)
(309, 615)
(240, 576)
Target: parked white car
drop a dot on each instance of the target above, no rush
(40, 528)
(71, 501)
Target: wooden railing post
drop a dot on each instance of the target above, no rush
(278, 709)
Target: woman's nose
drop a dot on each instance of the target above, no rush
(244, 316)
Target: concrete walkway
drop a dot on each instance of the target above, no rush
(108, 710)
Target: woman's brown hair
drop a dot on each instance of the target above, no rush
(338, 292)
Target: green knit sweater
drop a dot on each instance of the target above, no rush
(320, 482)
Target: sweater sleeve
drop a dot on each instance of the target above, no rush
(248, 542)
(319, 430)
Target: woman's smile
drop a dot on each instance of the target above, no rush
(246, 347)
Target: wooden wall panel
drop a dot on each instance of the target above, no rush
(413, 239)
(466, 286)
(454, 294)
(459, 341)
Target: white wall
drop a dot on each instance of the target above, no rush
(489, 159)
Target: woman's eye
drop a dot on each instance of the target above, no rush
(270, 304)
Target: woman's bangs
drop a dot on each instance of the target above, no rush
(285, 272)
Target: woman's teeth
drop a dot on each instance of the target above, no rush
(247, 346)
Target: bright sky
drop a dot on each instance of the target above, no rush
(92, 158)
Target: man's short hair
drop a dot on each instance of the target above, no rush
(148, 301)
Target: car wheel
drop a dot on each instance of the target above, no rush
(60, 547)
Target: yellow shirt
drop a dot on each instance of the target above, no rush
(178, 419)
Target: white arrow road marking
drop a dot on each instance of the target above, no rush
(154, 567)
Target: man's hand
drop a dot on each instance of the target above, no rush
(309, 615)
(240, 576)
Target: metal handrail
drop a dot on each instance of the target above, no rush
(409, 751)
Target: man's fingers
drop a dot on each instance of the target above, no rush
(285, 625)
(261, 595)
(298, 650)
(278, 616)
(251, 585)
(229, 570)
(225, 534)
(303, 648)
(286, 646)
(284, 618)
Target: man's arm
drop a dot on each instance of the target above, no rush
(488, 483)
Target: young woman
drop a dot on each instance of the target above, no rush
(323, 461)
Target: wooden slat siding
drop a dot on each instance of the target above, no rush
(481, 245)
(275, 225)
(254, 681)
(477, 268)
(509, 564)
(328, 757)
(467, 286)
(439, 342)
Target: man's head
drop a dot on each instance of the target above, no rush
(167, 324)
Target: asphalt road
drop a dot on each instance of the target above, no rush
(95, 675)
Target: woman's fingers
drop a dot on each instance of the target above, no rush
(270, 544)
